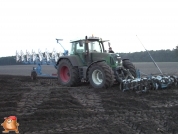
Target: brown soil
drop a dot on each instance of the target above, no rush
(43, 106)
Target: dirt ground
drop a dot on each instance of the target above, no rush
(43, 107)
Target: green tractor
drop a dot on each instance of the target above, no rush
(88, 61)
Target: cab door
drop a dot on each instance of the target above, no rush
(80, 52)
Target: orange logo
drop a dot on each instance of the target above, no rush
(10, 124)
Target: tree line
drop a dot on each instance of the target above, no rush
(143, 56)
(158, 56)
(10, 60)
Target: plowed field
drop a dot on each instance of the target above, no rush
(44, 107)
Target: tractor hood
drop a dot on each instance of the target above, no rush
(112, 59)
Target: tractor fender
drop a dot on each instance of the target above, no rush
(124, 59)
(92, 64)
(75, 61)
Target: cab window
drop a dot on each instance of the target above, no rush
(95, 46)
(79, 47)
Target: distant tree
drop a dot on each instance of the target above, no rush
(176, 50)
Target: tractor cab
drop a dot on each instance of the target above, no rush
(89, 49)
(88, 45)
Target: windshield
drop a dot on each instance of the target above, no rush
(95, 46)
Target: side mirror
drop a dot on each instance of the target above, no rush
(81, 43)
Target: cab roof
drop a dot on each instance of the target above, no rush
(90, 39)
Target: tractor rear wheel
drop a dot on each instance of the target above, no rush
(100, 75)
(129, 65)
(68, 75)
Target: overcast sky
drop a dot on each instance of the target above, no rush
(35, 24)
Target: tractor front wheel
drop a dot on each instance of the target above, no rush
(100, 75)
(68, 75)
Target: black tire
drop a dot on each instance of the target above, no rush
(68, 75)
(105, 72)
(33, 75)
(129, 65)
